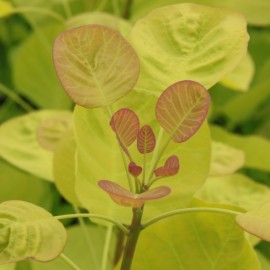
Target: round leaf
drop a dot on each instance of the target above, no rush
(95, 65)
(181, 109)
(146, 140)
(29, 232)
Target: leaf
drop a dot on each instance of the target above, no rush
(5, 8)
(187, 42)
(240, 78)
(256, 148)
(134, 169)
(34, 76)
(256, 221)
(146, 140)
(225, 159)
(182, 108)
(50, 131)
(125, 123)
(195, 241)
(124, 197)
(171, 167)
(18, 144)
(95, 65)
(29, 232)
(235, 189)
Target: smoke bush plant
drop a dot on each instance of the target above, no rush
(123, 143)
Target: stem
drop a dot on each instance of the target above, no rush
(106, 247)
(11, 94)
(116, 223)
(43, 11)
(189, 210)
(69, 262)
(132, 239)
(126, 14)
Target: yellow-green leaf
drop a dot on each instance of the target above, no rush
(5, 8)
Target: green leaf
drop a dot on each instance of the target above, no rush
(236, 189)
(187, 42)
(64, 167)
(256, 221)
(240, 78)
(225, 159)
(204, 240)
(29, 232)
(95, 65)
(8, 267)
(256, 148)
(19, 146)
(5, 8)
(98, 148)
(182, 108)
(34, 76)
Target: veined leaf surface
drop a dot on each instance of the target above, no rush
(146, 140)
(182, 108)
(95, 65)
(29, 232)
(171, 167)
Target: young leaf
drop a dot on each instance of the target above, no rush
(95, 65)
(182, 108)
(124, 197)
(256, 221)
(29, 232)
(171, 167)
(125, 123)
(146, 140)
(134, 169)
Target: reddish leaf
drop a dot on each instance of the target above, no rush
(124, 197)
(171, 167)
(182, 108)
(146, 140)
(125, 123)
(134, 169)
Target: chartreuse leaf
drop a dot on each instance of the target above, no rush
(235, 189)
(5, 8)
(95, 65)
(225, 159)
(195, 241)
(19, 146)
(29, 232)
(10, 266)
(34, 76)
(146, 140)
(187, 41)
(240, 78)
(97, 148)
(256, 13)
(256, 148)
(256, 221)
(51, 130)
(182, 108)
(64, 167)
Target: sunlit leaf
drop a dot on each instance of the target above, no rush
(134, 169)
(95, 65)
(29, 232)
(187, 42)
(182, 108)
(125, 123)
(146, 140)
(5, 8)
(50, 131)
(225, 159)
(257, 221)
(195, 241)
(171, 167)
(124, 197)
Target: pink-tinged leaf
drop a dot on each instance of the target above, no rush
(171, 167)
(134, 169)
(124, 197)
(146, 140)
(95, 65)
(125, 123)
(182, 108)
